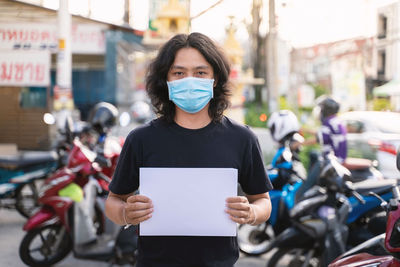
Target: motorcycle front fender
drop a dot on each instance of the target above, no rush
(43, 217)
(292, 238)
(375, 241)
(365, 259)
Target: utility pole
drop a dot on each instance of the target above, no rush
(63, 90)
(272, 68)
(257, 47)
(89, 14)
(64, 58)
(127, 13)
(397, 45)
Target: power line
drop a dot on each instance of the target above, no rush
(207, 9)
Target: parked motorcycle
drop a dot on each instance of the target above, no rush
(72, 214)
(318, 232)
(18, 174)
(286, 173)
(389, 241)
(365, 219)
(320, 227)
(22, 172)
(291, 182)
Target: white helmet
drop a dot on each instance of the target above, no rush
(281, 123)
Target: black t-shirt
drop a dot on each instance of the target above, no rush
(218, 145)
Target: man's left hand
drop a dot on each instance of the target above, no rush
(240, 210)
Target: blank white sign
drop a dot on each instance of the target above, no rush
(188, 201)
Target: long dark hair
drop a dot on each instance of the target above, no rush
(156, 80)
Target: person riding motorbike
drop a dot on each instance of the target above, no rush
(286, 173)
(284, 127)
(332, 134)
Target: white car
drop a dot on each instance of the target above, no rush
(374, 135)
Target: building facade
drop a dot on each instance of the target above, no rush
(387, 50)
(28, 35)
(343, 68)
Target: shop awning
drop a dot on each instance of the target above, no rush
(391, 88)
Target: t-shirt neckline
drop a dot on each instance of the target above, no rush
(184, 130)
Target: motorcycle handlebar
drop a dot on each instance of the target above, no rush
(350, 189)
(102, 161)
(358, 197)
(104, 177)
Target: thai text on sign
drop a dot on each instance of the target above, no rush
(85, 38)
(24, 68)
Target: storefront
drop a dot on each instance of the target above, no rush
(27, 82)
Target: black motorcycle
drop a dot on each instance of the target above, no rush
(318, 232)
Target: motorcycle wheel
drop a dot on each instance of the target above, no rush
(26, 199)
(45, 246)
(295, 257)
(254, 240)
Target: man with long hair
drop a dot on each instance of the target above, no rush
(188, 85)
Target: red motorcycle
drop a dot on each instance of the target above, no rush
(72, 215)
(371, 253)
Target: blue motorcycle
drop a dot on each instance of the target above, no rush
(18, 176)
(286, 173)
(366, 218)
(292, 184)
(21, 172)
(327, 215)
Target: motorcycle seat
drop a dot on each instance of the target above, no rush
(357, 163)
(25, 159)
(377, 186)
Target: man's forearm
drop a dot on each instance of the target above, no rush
(114, 209)
(262, 210)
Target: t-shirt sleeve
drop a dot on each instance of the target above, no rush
(253, 177)
(126, 176)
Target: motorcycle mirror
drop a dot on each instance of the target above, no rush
(48, 118)
(398, 158)
(287, 155)
(298, 138)
(124, 119)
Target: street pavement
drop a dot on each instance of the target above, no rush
(11, 234)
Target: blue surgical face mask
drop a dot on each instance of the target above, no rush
(191, 94)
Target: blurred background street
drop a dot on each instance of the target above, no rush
(60, 58)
